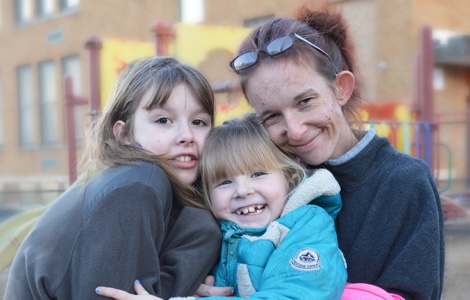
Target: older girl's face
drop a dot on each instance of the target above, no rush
(300, 110)
(176, 131)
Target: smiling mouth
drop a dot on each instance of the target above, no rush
(252, 209)
(184, 158)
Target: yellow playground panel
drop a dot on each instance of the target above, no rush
(392, 120)
(191, 45)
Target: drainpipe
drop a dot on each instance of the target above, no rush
(163, 36)
(94, 46)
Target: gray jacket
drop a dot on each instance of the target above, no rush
(117, 228)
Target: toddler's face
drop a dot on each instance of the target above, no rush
(176, 131)
(249, 200)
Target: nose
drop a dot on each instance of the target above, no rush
(294, 128)
(244, 187)
(185, 134)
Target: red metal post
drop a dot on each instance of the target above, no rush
(94, 46)
(163, 36)
(416, 97)
(427, 91)
(426, 87)
(70, 102)
(467, 127)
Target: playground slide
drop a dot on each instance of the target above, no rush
(13, 231)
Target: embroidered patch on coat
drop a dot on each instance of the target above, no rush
(306, 260)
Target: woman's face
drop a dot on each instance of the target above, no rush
(176, 131)
(300, 110)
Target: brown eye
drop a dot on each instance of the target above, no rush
(199, 123)
(163, 121)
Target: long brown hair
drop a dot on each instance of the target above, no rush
(325, 29)
(159, 75)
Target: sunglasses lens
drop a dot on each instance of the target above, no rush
(244, 61)
(279, 45)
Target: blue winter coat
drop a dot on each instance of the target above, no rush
(295, 257)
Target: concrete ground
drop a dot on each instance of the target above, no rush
(457, 272)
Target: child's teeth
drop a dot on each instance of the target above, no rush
(184, 158)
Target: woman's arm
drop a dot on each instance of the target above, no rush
(413, 262)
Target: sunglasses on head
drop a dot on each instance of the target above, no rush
(273, 48)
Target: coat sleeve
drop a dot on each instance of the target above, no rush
(191, 249)
(120, 242)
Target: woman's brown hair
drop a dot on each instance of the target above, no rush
(325, 29)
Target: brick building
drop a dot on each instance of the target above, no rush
(42, 40)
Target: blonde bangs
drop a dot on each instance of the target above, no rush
(236, 156)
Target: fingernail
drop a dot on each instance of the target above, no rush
(233, 291)
(137, 281)
(97, 290)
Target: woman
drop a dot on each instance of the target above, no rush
(299, 76)
(135, 214)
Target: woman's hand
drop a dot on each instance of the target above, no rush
(116, 294)
(207, 289)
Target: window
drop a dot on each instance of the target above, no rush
(192, 11)
(48, 103)
(71, 67)
(68, 4)
(23, 11)
(44, 7)
(26, 106)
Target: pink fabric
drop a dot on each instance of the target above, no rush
(364, 291)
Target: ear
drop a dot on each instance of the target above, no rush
(345, 86)
(119, 129)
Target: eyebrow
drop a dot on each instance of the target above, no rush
(304, 94)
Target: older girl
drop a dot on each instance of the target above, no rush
(135, 214)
